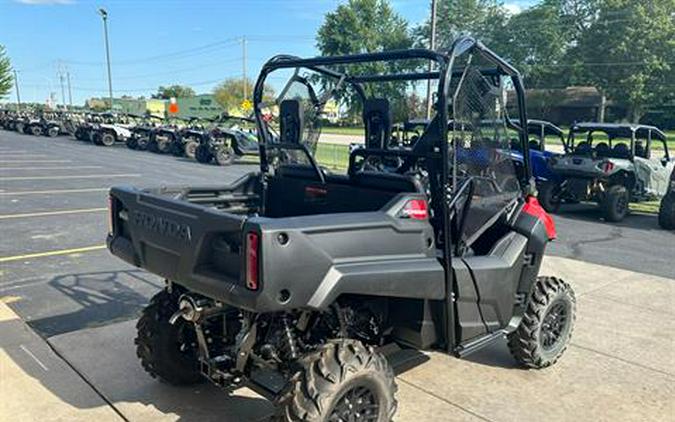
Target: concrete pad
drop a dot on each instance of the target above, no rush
(642, 337)
(107, 355)
(582, 386)
(37, 385)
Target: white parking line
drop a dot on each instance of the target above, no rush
(48, 192)
(29, 353)
(51, 168)
(50, 213)
(84, 176)
(34, 161)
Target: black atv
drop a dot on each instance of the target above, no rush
(164, 136)
(142, 132)
(231, 138)
(301, 283)
(185, 139)
(667, 208)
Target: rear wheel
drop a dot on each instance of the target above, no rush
(225, 155)
(667, 212)
(36, 130)
(615, 203)
(342, 381)
(53, 132)
(167, 351)
(549, 196)
(107, 139)
(546, 328)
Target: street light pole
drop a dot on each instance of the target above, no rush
(432, 46)
(104, 15)
(16, 86)
(70, 93)
(243, 62)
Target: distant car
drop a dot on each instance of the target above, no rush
(620, 167)
(667, 209)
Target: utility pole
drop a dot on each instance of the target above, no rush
(243, 65)
(61, 80)
(104, 15)
(16, 86)
(432, 46)
(70, 93)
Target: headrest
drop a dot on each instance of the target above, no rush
(378, 121)
(290, 121)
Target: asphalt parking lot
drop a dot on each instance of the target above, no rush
(57, 277)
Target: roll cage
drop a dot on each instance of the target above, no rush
(445, 63)
(631, 132)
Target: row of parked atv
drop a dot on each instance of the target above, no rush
(221, 140)
(610, 164)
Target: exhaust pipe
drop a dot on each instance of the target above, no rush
(193, 309)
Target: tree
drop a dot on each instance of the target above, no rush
(6, 79)
(230, 93)
(367, 26)
(175, 91)
(634, 65)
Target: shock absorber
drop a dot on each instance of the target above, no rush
(290, 342)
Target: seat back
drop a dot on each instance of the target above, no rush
(378, 121)
(290, 121)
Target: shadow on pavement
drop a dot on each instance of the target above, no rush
(101, 298)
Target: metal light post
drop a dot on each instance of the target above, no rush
(104, 15)
(16, 86)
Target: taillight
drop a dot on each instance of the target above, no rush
(607, 166)
(252, 249)
(416, 209)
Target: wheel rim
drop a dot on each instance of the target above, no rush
(190, 148)
(359, 403)
(107, 140)
(224, 155)
(554, 325)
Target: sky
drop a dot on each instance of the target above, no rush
(159, 42)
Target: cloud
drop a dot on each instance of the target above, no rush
(45, 2)
(512, 8)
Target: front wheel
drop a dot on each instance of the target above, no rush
(191, 148)
(343, 380)
(36, 130)
(546, 328)
(549, 196)
(615, 203)
(167, 351)
(667, 212)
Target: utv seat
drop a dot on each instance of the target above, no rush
(621, 151)
(602, 149)
(584, 148)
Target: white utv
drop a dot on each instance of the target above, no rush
(613, 165)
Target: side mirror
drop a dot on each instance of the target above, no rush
(665, 161)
